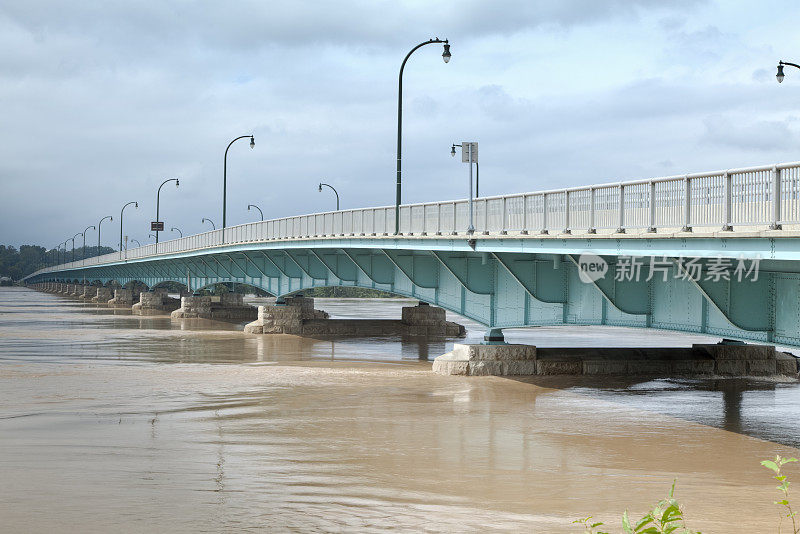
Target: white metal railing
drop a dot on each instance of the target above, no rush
(754, 196)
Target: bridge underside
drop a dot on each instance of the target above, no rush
(493, 285)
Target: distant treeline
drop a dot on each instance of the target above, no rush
(17, 264)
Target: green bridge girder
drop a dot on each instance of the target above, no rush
(507, 283)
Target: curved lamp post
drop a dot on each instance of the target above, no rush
(173, 229)
(137, 242)
(259, 210)
(334, 191)
(213, 226)
(58, 251)
(225, 180)
(83, 255)
(121, 212)
(110, 218)
(73, 245)
(780, 74)
(153, 236)
(158, 201)
(446, 58)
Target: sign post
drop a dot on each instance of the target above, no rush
(469, 154)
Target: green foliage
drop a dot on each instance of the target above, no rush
(666, 517)
(775, 466)
(17, 264)
(346, 292)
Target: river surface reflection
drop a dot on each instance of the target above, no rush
(111, 422)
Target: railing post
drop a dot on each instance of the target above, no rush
(776, 199)
(592, 228)
(524, 230)
(424, 220)
(485, 216)
(726, 226)
(652, 228)
(544, 214)
(566, 213)
(621, 209)
(503, 230)
(687, 205)
(454, 220)
(439, 218)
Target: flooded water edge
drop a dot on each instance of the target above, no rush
(168, 429)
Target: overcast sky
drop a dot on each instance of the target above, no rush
(101, 101)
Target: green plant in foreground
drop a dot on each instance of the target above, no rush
(775, 465)
(666, 517)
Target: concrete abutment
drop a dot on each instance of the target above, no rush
(297, 316)
(699, 360)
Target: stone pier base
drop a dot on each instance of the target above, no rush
(299, 317)
(155, 302)
(699, 360)
(103, 295)
(123, 298)
(227, 307)
(89, 292)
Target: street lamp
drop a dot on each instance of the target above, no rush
(446, 58)
(780, 75)
(469, 154)
(73, 245)
(137, 242)
(158, 202)
(121, 212)
(83, 254)
(225, 180)
(153, 236)
(334, 191)
(477, 171)
(173, 229)
(259, 210)
(110, 218)
(214, 226)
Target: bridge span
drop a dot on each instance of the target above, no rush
(715, 252)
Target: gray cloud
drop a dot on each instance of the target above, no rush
(101, 102)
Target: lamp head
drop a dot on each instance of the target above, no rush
(453, 150)
(136, 205)
(780, 75)
(177, 182)
(252, 142)
(320, 188)
(446, 53)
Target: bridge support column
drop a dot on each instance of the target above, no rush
(123, 298)
(88, 293)
(103, 295)
(227, 307)
(723, 359)
(297, 316)
(155, 302)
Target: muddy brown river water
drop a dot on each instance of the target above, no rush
(111, 422)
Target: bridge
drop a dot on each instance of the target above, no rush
(714, 252)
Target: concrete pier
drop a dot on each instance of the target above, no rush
(123, 298)
(226, 307)
(700, 360)
(89, 292)
(299, 317)
(156, 302)
(103, 295)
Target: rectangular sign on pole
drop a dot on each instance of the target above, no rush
(465, 151)
(157, 226)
